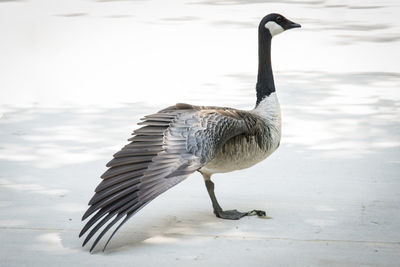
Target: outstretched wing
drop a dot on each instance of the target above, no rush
(171, 145)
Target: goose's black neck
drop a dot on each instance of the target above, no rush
(265, 79)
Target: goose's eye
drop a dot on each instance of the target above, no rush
(279, 19)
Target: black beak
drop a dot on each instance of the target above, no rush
(291, 25)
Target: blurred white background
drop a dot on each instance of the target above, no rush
(57, 53)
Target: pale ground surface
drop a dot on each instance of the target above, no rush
(70, 96)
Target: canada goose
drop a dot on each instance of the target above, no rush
(182, 139)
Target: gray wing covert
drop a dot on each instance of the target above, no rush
(216, 126)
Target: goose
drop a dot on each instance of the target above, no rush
(181, 139)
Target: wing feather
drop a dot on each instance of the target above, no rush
(114, 171)
(129, 160)
(119, 179)
(112, 190)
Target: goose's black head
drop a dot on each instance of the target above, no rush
(274, 24)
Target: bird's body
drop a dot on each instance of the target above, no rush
(181, 139)
(241, 152)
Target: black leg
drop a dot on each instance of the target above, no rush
(227, 214)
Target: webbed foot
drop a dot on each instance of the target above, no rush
(236, 215)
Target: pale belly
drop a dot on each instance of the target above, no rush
(238, 153)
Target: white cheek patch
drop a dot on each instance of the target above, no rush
(274, 28)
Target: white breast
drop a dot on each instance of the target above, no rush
(269, 109)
